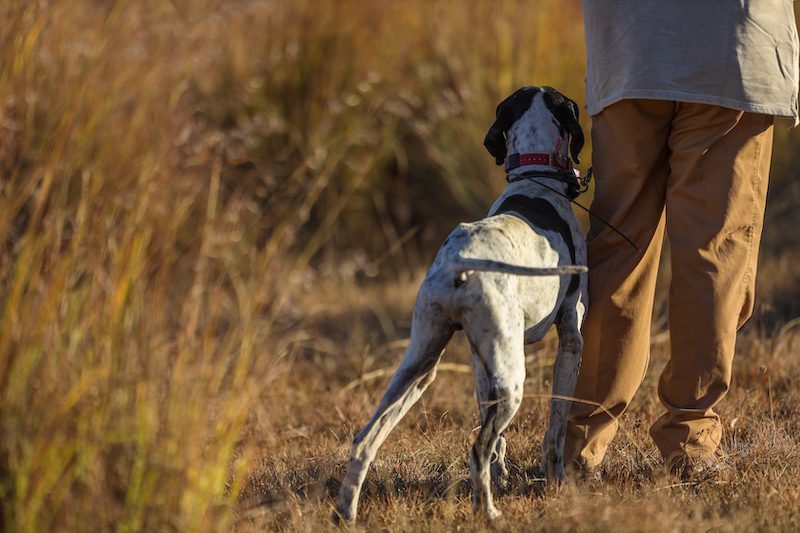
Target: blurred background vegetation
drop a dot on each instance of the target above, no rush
(174, 172)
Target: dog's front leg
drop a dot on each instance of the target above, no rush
(565, 374)
(500, 472)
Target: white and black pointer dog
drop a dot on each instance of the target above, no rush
(504, 280)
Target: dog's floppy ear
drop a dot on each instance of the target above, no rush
(566, 112)
(495, 140)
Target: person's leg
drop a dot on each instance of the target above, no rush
(716, 194)
(630, 160)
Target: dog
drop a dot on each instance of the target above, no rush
(504, 280)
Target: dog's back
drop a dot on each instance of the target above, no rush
(506, 239)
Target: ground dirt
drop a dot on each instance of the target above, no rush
(353, 337)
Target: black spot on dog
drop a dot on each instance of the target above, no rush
(567, 114)
(506, 114)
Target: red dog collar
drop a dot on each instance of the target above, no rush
(556, 160)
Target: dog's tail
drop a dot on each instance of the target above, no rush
(465, 265)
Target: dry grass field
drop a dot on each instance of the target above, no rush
(214, 216)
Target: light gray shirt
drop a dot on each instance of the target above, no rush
(741, 54)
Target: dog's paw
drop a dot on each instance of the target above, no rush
(484, 509)
(493, 513)
(342, 518)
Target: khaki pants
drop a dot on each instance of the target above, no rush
(698, 172)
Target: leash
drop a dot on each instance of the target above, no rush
(573, 182)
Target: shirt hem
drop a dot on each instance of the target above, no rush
(595, 108)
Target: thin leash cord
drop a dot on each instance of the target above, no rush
(597, 217)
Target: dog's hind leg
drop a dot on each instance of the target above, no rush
(499, 470)
(499, 362)
(565, 373)
(429, 335)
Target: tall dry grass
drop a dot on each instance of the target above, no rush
(170, 168)
(167, 168)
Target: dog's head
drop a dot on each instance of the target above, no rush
(536, 116)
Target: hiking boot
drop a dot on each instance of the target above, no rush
(700, 469)
(584, 474)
